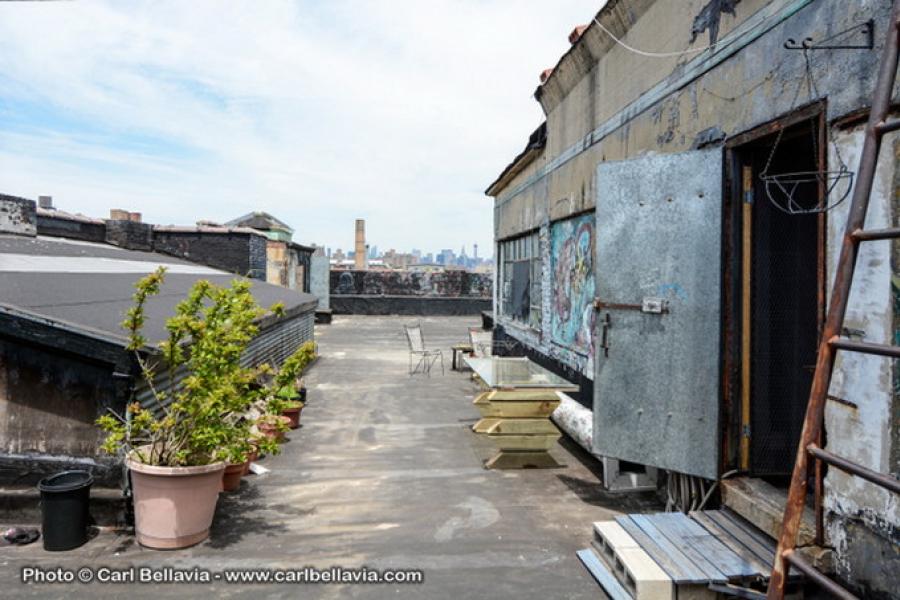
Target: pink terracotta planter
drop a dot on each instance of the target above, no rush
(174, 506)
(271, 431)
(231, 478)
(294, 415)
(251, 458)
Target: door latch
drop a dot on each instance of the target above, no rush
(604, 337)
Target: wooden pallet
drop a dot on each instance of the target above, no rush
(673, 555)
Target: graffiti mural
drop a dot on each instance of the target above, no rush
(572, 264)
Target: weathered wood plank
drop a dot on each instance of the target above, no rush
(708, 547)
(522, 460)
(667, 556)
(762, 547)
(511, 409)
(599, 571)
(672, 527)
(484, 424)
(721, 534)
(523, 427)
(514, 443)
(523, 395)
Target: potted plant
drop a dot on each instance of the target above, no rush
(176, 448)
(289, 392)
(273, 426)
(237, 460)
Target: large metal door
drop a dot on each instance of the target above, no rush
(656, 387)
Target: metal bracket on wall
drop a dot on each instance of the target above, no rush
(658, 306)
(865, 30)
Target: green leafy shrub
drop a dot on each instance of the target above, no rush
(286, 382)
(201, 418)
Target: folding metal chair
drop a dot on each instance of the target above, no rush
(483, 344)
(426, 358)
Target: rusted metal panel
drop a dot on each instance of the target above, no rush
(656, 398)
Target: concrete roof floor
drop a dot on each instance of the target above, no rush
(385, 473)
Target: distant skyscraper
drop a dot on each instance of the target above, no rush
(475, 250)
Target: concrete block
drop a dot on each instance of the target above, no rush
(631, 565)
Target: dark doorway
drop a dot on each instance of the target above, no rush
(781, 283)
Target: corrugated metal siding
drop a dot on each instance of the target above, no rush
(272, 345)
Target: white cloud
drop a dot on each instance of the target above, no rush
(397, 111)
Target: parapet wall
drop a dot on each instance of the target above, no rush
(410, 293)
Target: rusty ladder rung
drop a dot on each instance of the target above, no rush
(870, 235)
(865, 347)
(848, 466)
(804, 566)
(887, 126)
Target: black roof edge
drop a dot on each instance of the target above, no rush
(536, 141)
(62, 335)
(34, 328)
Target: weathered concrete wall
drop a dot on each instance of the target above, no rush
(277, 266)
(88, 230)
(319, 275)
(132, 235)
(408, 305)
(287, 265)
(48, 405)
(613, 119)
(237, 252)
(446, 284)
(17, 215)
(864, 519)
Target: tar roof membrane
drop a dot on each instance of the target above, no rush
(90, 285)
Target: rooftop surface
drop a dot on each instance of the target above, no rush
(384, 473)
(90, 285)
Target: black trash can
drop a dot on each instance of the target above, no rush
(64, 509)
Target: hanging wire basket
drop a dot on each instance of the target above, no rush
(782, 187)
(831, 187)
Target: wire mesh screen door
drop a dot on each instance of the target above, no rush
(784, 304)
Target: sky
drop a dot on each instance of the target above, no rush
(400, 112)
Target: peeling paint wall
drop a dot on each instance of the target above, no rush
(862, 429)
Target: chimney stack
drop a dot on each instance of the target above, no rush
(360, 256)
(45, 202)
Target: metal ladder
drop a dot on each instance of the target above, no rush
(786, 556)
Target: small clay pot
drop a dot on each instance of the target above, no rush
(270, 431)
(294, 415)
(231, 478)
(251, 458)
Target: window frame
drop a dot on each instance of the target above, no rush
(525, 247)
